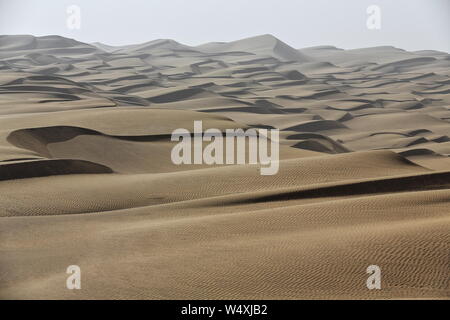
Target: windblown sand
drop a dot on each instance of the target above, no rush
(86, 176)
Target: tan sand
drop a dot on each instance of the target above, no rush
(86, 177)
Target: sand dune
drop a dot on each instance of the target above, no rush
(86, 176)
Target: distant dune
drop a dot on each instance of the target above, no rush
(86, 176)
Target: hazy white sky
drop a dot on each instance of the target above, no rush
(407, 24)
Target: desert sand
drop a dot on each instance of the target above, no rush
(86, 176)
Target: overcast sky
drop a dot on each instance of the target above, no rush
(407, 24)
